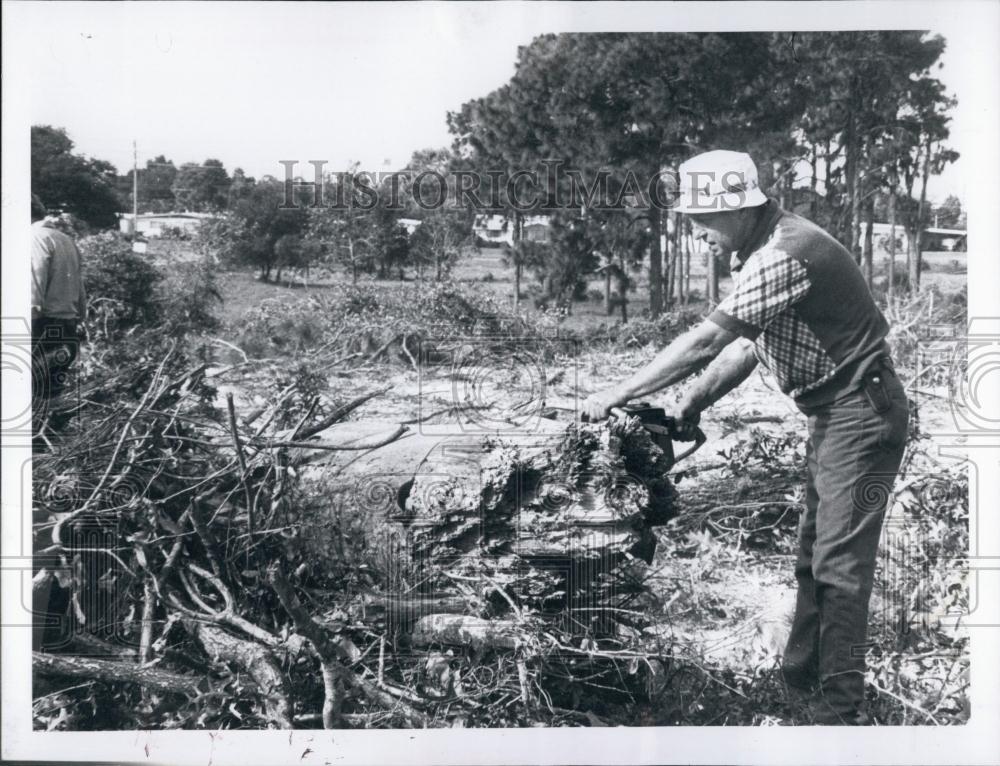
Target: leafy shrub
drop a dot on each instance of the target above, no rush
(186, 296)
(128, 295)
(121, 286)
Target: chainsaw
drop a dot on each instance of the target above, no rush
(663, 429)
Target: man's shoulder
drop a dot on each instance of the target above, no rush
(799, 238)
(801, 230)
(42, 234)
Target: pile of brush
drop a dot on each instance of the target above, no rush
(195, 568)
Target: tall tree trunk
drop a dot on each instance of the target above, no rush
(623, 289)
(912, 259)
(679, 261)
(780, 184)
(892, 242)
(850, 178)
(813, 201)
(669, 275)
(517, 284)
(857, 193)
(687, 267)
(827, 170)
(655, 265)
(549, 287)
(712, 285)
(869, 231)
(354, 262)
(916, 244)
(608, 307)
(516, 253)
(856, 216)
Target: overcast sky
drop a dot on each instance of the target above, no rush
(255, 83)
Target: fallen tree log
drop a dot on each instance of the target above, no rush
(404, 609)
(498, 520)
(331, 650)
(472, 632)
(111, 671)
(252, 657)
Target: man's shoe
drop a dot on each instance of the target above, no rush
(825, 715)
(799, 681)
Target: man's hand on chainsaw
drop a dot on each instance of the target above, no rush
(598, 406)
(686, 423)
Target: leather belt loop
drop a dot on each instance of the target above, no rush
(884, 364)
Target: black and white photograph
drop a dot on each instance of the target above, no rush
(511, 370)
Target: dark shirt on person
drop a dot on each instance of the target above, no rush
(804, 302)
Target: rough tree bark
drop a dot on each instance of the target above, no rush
(813, 194)
(496, 508)
(608, 304)
(916, 243)
(116, 672)
(712, 283)
(655, 264)
(867, 266)
(516, 252)
(623, 289)
(891, 288)
(252, 657)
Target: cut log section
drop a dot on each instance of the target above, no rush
(538, 519)
(473, 632)
(117, 672)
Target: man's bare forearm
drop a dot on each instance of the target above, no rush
(687, 354)
(729, 369)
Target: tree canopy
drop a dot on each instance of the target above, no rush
(72, 183)
(202, 188)
(860, 109)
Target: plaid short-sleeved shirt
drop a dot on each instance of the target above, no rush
(801, 298)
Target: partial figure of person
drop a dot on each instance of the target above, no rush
(58, 306)
(800, 306)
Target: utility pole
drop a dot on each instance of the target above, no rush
(135, 188)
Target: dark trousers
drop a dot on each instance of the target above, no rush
(54, 347)
(854, 451)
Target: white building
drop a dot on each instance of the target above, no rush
(932, 238)
(498, 229)
(152, 225)
(410, 224)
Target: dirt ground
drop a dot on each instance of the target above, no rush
(721, 604)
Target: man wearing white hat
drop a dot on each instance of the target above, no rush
(800, 307)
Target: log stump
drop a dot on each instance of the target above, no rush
(496, 522)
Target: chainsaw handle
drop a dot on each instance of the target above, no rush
(699, 439)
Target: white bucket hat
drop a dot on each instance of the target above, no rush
(718, 181)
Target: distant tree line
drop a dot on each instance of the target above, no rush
(845, 127)
(265, 228)
(254, 226)
(840, 124)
